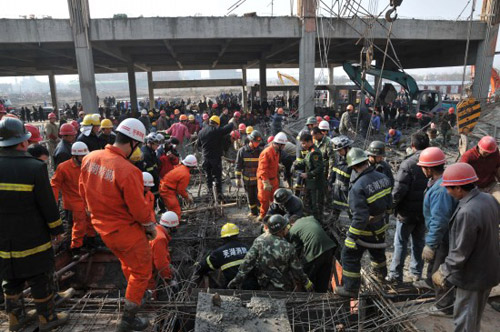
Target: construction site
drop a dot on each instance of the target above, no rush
(374, 47)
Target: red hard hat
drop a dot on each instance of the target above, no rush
(215, 105)
(419, 115)
(451, 110)
(162, 112)
(242, 126)
(431, 157)
(2, 109)
(488, 144)
(237, 114)
(67, 129)
(35, 133)
(459, 174)
(280, 111)
(205, 116)
(172, 116)
(51, 116)
(392, 132)
(319, 119)
(326, 118)
(75, 124)
(235, 134)
(270, 139)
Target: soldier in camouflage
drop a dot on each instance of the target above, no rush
(313, 174)
(274, 261)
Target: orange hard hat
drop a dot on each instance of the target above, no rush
(270, 139)
(419, 115)
(280, 111)
(176, 111)
(35, 133)
(392, 132)
(183, 117)
(67, 129)
(459, 174)
(326, 118)
(451, 110)
(488, 144)
(431, 157)
(242, 126)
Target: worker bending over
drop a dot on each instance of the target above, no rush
(286, 204)
(149, 183)
(175, 183)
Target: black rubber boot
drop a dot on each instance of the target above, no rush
(47, 317)
(129, 321)
(342, 291)
(14, 306)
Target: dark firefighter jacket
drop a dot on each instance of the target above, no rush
(211, 141)
(369, 199)
(384, 168)
(247, 161)
(28, 216)
(340, 176)
(151, 165)
(293, 207)
(93, 142)
(62, 152)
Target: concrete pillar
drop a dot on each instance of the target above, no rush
(132, 87)
(151, 90)
(263, 81)
(53, 93)
(307, 53)
(330, 90)
(80, 20)
(484, 62)
(244, 91)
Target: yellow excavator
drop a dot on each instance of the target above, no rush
(291, 78)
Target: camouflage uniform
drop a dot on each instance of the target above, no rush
(312, 165)
(325, 146)
(275, 263)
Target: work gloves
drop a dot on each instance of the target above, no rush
(438, 279)
(239, 182)
(428, 254)
(150, 230)
(267, 185)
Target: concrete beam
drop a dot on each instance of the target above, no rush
(118, 54)
(172, 53)
(221, 53)
(196, 83)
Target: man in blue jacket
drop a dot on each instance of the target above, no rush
(438, 209)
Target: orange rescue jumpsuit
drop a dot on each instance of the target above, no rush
(113, 191)
(65, 179)
(161, 256)
(267, 170)
(175, 183)
(150, 199)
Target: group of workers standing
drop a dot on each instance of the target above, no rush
(112, 182)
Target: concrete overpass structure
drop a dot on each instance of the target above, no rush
(87, 46)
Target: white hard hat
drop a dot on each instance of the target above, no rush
(169, 219)
(324, 125)
(160, 137)
(148, 180)
(190, 161)
(132, 128)
(280, 138)
(144, 112)
(79, 149)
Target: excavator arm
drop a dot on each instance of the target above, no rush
(406, 81)
(289, 77)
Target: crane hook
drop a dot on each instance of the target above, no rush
(388, 14)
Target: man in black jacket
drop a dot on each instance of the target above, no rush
(408, 198)
(29, 217)
(211, 141)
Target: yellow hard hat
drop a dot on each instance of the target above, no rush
(215, 119)
(91, 120)
(229, 229)
(106, 123)
(151, 114)
(191, 117)
(153, 123)
(249, 130)
(136, 155)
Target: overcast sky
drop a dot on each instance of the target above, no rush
(424, 9)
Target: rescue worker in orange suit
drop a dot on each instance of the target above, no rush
(148, 195)
(162, 273)
(175, 183)
(268, 172)
(65, 180)
(247, 161)
(28, 218)
(122, 217)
